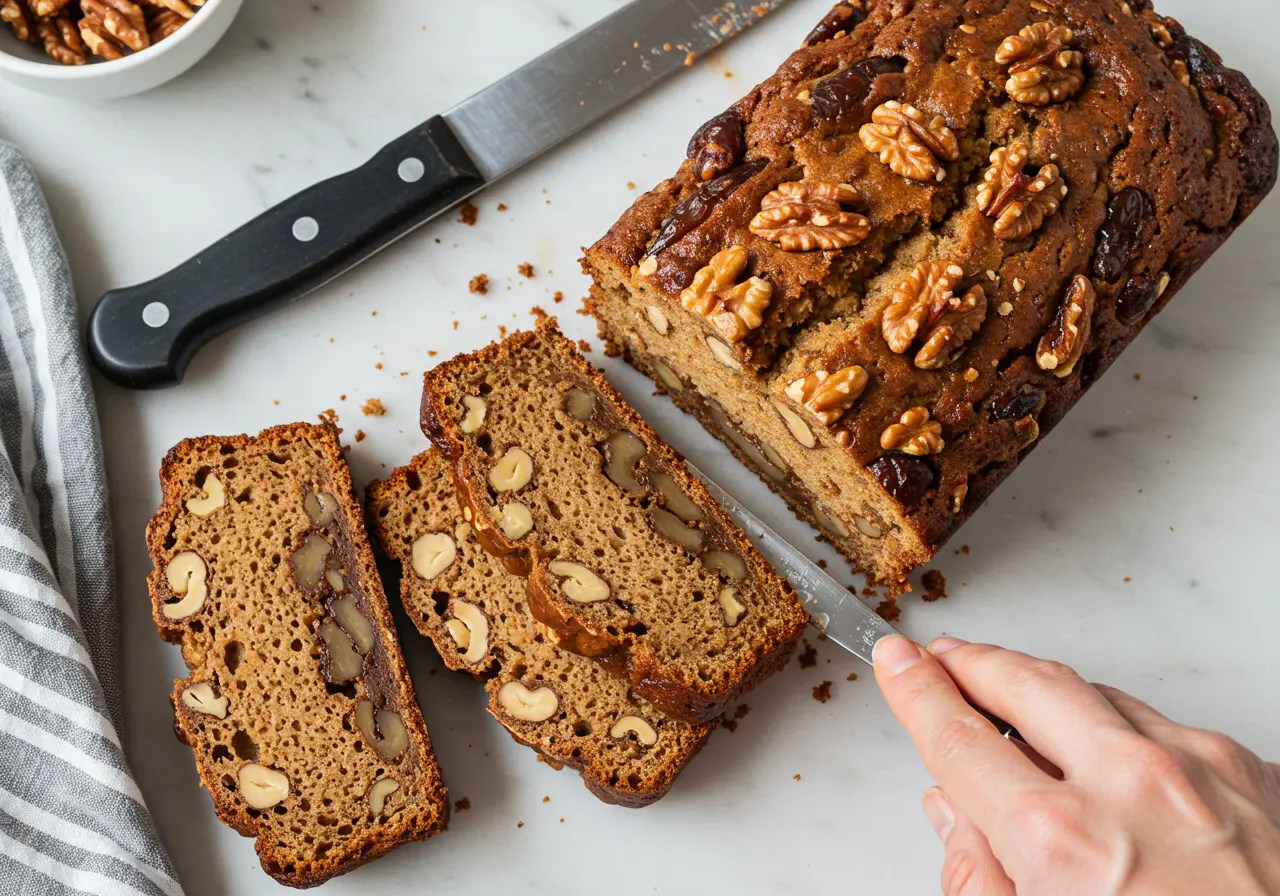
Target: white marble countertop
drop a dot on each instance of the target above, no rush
(1134, 543)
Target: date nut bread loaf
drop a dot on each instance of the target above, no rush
(892, 267)
(298, 707)
(567, 707)
(629, 559)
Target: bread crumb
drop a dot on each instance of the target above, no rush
(519, 824)
(377, 366)
(431, 353)
(502, 331)
(562, 821)
(360, 436)
(1127, 579)
(539, 315)
(373, 408)
(935, 586)
(276, 401)
(742, 711)
(479, 285)
(328, 415)
(1137, 376)
(342, 397)
(808, 657)
(468, 214)
(462, 805)
(374, 314)
(558, 297)
(631, 185)
(852, 676)
(584, 346)
(822, 693)
(730, 725)
(404, 373)
(524, 269)
(455, 325)
(822, 564)
(889, 610)
(795, 778)
(502, 207)
(546, 799)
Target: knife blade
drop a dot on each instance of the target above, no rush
(144, 336)
(835, 610)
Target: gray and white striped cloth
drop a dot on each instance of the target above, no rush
(71, 817)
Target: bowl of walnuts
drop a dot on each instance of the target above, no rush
(103, 49)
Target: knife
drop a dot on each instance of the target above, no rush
(835, 610)
(144, 336)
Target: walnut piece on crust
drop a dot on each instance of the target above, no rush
(801, 217)
(909, 145)
(1019, 202)
(1042, 67)
(914, 434)
(828, 395)
(735, 309)
(925, 307)
(1062, 345)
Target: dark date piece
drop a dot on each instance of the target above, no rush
(1136, 299)
(1024, 404)
(717, 146)
(841, 98)
(699, 205)
(1128, 215)
(842, 17)
(904, 477)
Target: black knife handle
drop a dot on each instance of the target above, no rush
(143, 336)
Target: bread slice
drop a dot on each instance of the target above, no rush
(475, 612)
(569, 486)
(298, 707)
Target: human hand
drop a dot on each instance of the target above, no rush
(1142, 807)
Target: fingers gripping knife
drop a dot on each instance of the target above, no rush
(837, 612)
(144, 336)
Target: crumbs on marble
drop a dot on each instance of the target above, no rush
(935, 586)
(431, 353)
(822, 692)
(329, 416)
(377, 366)
(808, 657)
(963, 549)
(795, 778)
(360, 436)
(584, 346)
(852, 676)
(373, 408)
(546, 799)
(468, 214)
(462, 805)
(631, 185)
(889, 610)
(524, 269)
(455, 325)
(539, 315)
(502, 331)
(479, 285)
(558, 297)
(738, 715)
(502, 206)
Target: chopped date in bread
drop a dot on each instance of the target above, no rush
(954, 199)
(297, 706)
(629, 559)
(568, 708)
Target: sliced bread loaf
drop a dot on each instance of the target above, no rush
(566, 707)
(629, 559)
(298, 707)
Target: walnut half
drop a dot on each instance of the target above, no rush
(1018, 202)
(801, 217)
(1061, 347)
(1042, 67)
(735, 309)
(914, 434)
(828, 395)
(925, 307)
(909, 145)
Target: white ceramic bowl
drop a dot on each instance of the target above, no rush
(26, 65)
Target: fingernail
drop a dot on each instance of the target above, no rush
(937, 808)
(939, 646)
(895, 654)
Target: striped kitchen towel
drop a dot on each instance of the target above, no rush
(71, 817)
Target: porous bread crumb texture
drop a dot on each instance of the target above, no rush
(667, 623)
(419, 500)
(1157, 116)
(238, 503)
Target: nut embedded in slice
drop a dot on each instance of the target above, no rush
(186, 574)
(433, 553)
(1019, 202)
(727, 564)
(212, 497)
(828, 395)
(473, 419)
(514, 519)
(1062, 345)
(473, 637)
(733, 608)
(512, 472)
(677, 501)
(579, 584)
(800, 216)
(914, 434)
(384, 730)
(634, 725)
(579, 403)
(622, 451)
(669, 377)
(354, 623)
(828, 522)
(668, 525)
(309, 561)
(799, 430)
(319, 507)
(378, 794)
(203, 699)
(262, 787)
(868, 528)
(527, 705)
(339, 660)
(723, 354)
(657, 319)
(1043, 69)
(909, 145)
(735, 309)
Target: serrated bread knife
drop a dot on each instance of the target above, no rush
(144, 336)
(836, 611)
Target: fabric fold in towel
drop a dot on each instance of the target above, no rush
(72, 819)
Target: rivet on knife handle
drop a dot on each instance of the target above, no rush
(143, 336)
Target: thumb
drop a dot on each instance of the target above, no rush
(970, 869)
